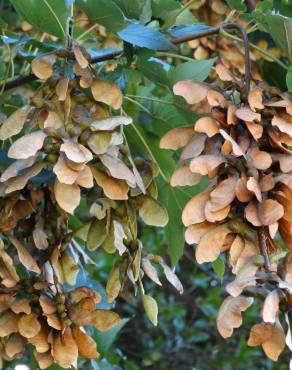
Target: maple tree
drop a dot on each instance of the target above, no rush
(84, 172)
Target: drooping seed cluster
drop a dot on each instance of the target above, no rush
(69, 163)
(242, 144)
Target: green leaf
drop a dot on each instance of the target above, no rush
(146, 13)
(168, 113)
(105, 12)
(168, 117)
(48, 15)
(185, 17)
(289, 80)
(3, 24)
(145, 37)
(2, 69)
(163, 74)
(197, 70)
(274, 74)
(149, 144)
(164, 8)
(53, 367)
(280, 29)
(167, 195)
(131, 8)
(237, 5)
(219, 267)
(174, 200)
(104, 340)
(152, 69)
(172, 12)
(284, 7)
(263, 9)
(179, 17)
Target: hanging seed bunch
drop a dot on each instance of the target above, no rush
(68, 147)
(213, 12)
(242, 144)
(232, 55)
(209, 11)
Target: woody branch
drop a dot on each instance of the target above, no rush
(19, 81)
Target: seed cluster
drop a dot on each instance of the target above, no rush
(70, 149)
(213, 12)
(242, 143)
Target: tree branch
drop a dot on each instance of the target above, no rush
(256, 292)
(111, 55)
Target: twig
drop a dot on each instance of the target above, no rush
(87, 32)
(247, 61)
(173, 55)
(30, 78)
(256, 292)
(264, 249)
(207, 32)
(262, 51)
(155, 100)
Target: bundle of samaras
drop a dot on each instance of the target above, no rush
(242, 143)
(69, 148)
